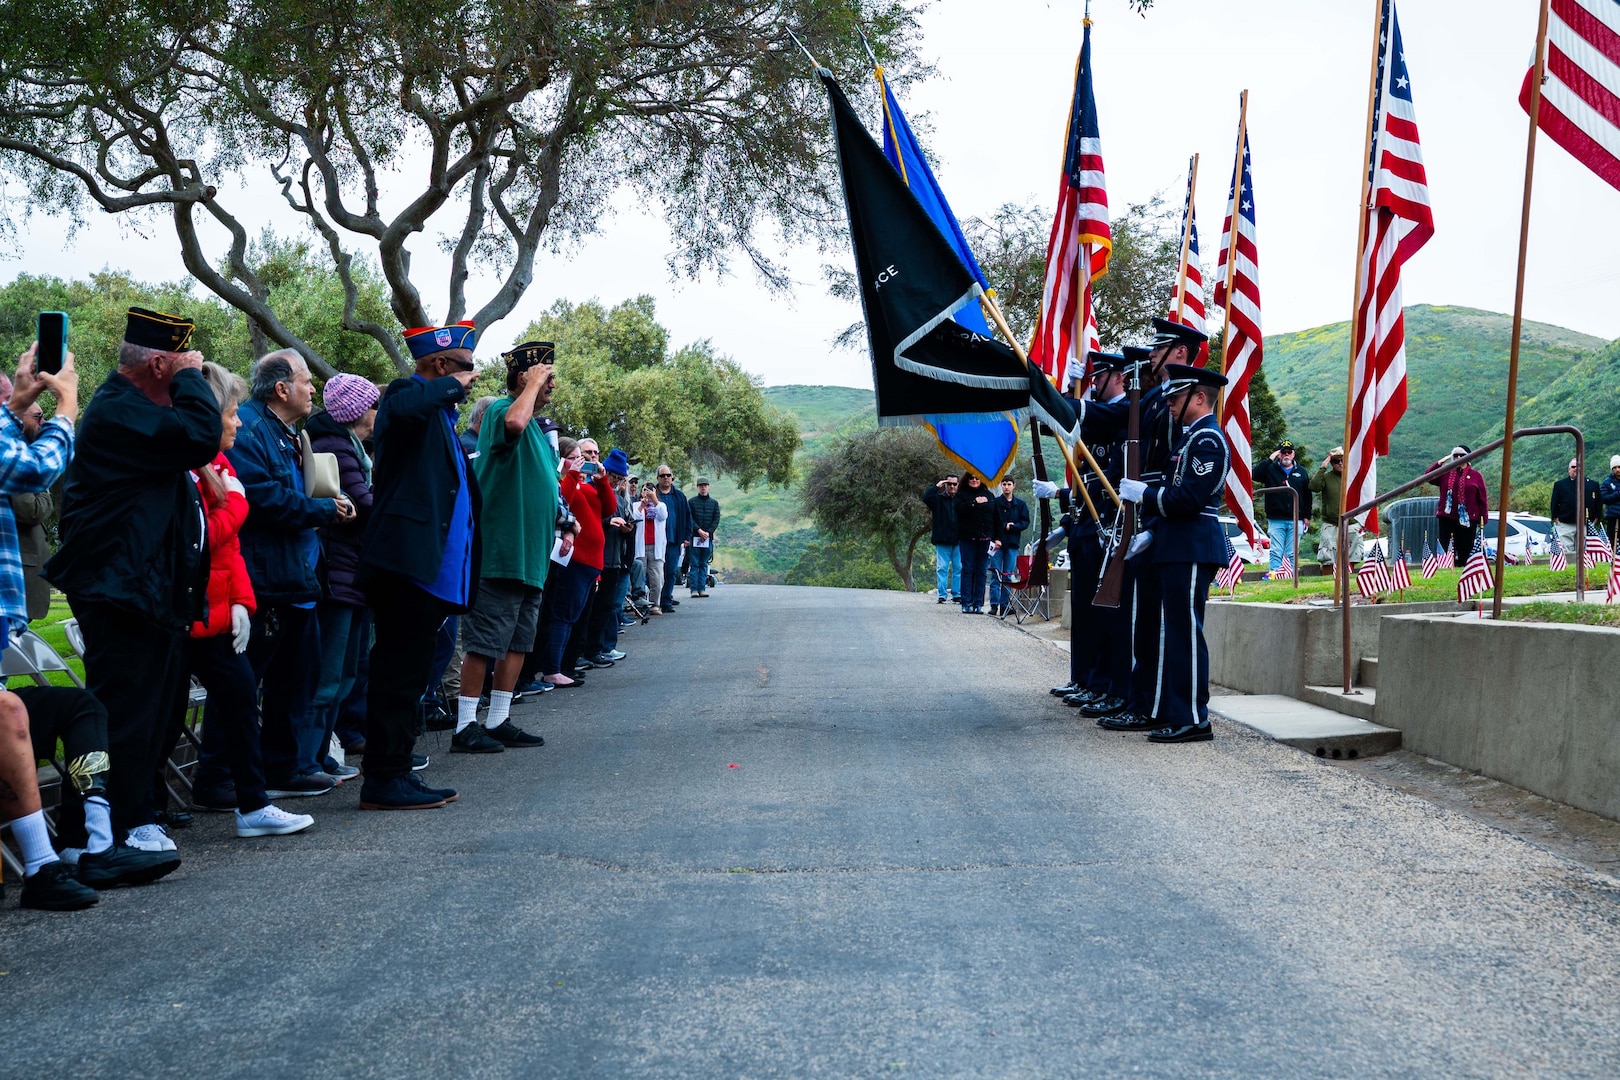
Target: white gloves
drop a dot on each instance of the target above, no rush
(1132, 490)
(1139, 543)
(241, 628)
(1044, 489)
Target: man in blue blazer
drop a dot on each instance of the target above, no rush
(419, 554)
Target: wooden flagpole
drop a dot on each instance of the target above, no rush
(1186, 237)
(1342, 560)
(1513, 350)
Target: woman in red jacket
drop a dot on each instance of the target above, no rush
(219, 642)
(1462, 504)
(570, 586)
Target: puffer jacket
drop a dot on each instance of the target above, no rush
(975, 520)
(227, 574)
(341, 539)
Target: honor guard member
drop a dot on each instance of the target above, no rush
(1173, 343)
(1091, 672)
(1179, 550)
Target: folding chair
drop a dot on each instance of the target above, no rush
(1027, 602)
(31, 656)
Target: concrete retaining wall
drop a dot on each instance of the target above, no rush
(1530, 704)
(1283, 648)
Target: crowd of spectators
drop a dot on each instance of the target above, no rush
(204, 542)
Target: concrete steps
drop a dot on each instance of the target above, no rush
(1327, 733)
(1367, 672)
(1359, 703)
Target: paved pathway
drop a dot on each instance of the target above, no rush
(921, 865)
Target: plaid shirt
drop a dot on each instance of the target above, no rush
(25, 467)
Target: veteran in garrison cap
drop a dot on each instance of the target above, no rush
(1180, 547)
(132, 560)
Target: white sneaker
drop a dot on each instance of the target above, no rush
(271, 820)
(150, 838)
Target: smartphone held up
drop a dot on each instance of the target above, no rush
(53, 342)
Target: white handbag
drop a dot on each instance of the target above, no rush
(320, 471)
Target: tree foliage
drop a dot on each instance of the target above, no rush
(867, 490)
(618, 382)
(493, 125)
(841, 564)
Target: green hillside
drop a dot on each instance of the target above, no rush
(1456, 361)
(762, 532)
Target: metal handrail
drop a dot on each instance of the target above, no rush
(1290, 489)
(1342, 558)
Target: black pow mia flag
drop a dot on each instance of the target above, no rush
(926, 367)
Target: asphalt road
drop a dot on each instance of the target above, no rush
(921, 864)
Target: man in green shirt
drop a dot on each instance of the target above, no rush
(516, 466)
(1329, 483)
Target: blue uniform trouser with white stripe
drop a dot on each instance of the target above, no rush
(1100, 641)
(1173, 687)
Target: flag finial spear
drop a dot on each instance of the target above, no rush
(813, 61)
(870, 55)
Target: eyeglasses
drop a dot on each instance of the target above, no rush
(591, 453)
(666, 476)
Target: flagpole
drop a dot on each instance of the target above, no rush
(1232, 212)
(1342, 558)
(1186, 237)
(1513, 350)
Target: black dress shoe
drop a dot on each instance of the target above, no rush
(1185, 733)
(1104, 706)
(1083, 698)
(1127, 722)
(54, 888)
(1066, 689)
(124, 865)
(174, 819)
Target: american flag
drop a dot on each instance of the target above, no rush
(1597, 547)
(1558, 560)
(1240, 260)
(1580, 96)
(1448, 557)
(1285, 568)
(1187, 293)
(1398, 223)
(1229, 575)
(1431, 561)
(1372, 576)
(1613, 588)
(1476, 576)
(1081, 241)
(1399, 576)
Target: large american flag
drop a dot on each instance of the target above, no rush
(1580, 96)
(1476, 576)
(1081, 241)
(1398, 223)
(1240, 260)
(1187, 291)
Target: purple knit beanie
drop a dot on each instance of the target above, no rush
(348, 397)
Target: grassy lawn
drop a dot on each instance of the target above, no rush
(1584, 614)
(1521, 581)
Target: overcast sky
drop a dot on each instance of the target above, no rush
(1167, 86)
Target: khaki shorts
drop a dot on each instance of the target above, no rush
(1327, 544)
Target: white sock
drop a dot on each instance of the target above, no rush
(35, 842)
(500, 707)
(466, 713)
(98, 823)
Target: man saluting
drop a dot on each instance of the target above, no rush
(1181, 546)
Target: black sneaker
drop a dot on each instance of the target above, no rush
(446, 793)
(124, 865)
(941, 600)
(419, 762)
(301, 786)
(509, 734)
(54, 888)
(585, 663)
(218, 800)
(398, 793)
(472, 740)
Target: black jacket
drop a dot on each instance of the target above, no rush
(341, 539)
(1014, 512)
(618, 545)
(132, 522)
(1563, 501)
(975, 520)
(414, 482)
(944, 511)
(1279, 507)
(705, 513)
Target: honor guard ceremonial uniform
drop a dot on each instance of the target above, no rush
(1186, 547)
(1099, 654)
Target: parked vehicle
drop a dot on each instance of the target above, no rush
(1240, 543)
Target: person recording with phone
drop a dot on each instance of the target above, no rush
(651, 516)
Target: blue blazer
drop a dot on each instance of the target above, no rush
(1184, 509)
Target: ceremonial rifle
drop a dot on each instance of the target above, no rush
(1112, 582)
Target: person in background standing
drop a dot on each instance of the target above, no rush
(941, 502)
(1279, 470)
(1565, 509)
(1462, 505)
(1012, 518)
(975, 525)
(677, 533)
(1609, 496)
(705, 521)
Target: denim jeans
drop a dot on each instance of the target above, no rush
(345, 633)
(1282, 541)
(672, 570)
(697, 571)
(1004, 560)
(621, 592)
(947, 570)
